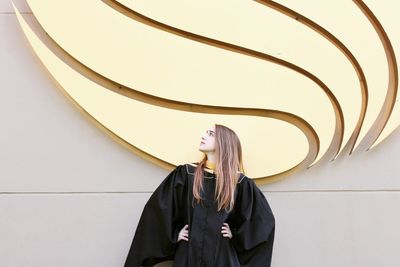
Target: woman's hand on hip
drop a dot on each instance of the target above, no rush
(226, 231)
(183, 234)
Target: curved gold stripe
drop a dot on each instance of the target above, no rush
(337, 140)
(300, 123)
(391, 130)
(390, 99)
(348, 148)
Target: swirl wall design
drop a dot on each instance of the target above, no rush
(301, 82)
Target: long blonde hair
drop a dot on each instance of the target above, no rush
(228, 151)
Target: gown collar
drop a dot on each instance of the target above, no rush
(191, 168)
(210, 165)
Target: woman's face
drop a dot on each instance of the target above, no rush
(207, 142)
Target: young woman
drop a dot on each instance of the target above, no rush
(207, 213)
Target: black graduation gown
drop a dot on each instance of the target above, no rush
(169, 208)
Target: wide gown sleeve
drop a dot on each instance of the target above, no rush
(155, 239)
(254, 230)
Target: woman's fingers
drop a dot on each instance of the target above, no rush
(226, 232)
(227, 235)
(225, 226)
(183, 234)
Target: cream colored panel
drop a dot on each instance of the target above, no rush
(249, 24)
(208, 71)
(172, 130)
(346, 21)
(388, 15)
(169, 66)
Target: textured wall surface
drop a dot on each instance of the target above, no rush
(71, 196)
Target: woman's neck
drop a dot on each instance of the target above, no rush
(210, 165)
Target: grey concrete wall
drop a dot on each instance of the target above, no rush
(71, 196)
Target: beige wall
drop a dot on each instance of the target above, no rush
(71, 196)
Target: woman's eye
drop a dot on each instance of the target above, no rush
(210, 133)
